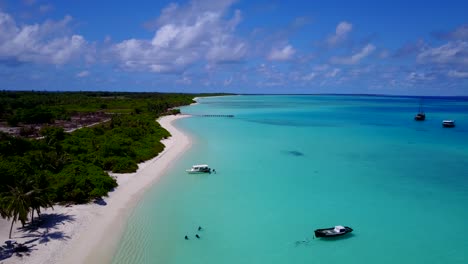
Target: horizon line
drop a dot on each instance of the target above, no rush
(231, 93)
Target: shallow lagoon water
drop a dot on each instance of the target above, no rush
(287, 165)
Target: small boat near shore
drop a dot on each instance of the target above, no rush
(333, 231)
(448, 123)
(202, 168)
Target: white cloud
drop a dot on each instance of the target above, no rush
(417, 77)
(356, 58)
(333, 73)
(184, 80)
(185, 35)
(82, 74)
(411, 49)
(451, 53)
(310, 76)
(270, 75)
(458, 74)
(321, 67)
(165, 35)
(159, 68)
(281, 54)
(460, 33)
(39, 43)
(226, 49)
(341, 33)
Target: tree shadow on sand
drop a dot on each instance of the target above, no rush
(100, 201)
(41, 231)
(48, 221)
(19, 250)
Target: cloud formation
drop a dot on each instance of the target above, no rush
(460, 33)
(46, 43)
(82, 74)
(210, 44)
(420, 77)
(281, 54)
(333, 73)
(458, 74)
(454, 52)
(355, 58)
(410, 49)
(341, 34)
(185, 35)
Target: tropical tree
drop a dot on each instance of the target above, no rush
(38, 195)
(17, 205)
(21, 199)
(39, 199)
(3, 212)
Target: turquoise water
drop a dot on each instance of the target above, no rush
(287, 165)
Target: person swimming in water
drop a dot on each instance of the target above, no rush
(186, 237)
(200, 228)
(197, 236)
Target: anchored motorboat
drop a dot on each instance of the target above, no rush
(448, 123)
(202, 168)
(333, 231)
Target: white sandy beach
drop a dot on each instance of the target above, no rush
(90, 233)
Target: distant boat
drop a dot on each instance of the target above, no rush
(420, 116)
(203, 168)
(333, 231)
(448, 123)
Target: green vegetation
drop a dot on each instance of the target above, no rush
(62, 167)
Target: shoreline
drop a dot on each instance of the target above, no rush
(90, 233)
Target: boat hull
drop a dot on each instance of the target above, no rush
(197, 172)
(448, 123)
(199, 169)
(329, 232)
(420, 117)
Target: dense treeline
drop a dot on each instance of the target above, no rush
(46, 107)
(64, 167)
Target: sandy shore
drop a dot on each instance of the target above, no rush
(90, 233)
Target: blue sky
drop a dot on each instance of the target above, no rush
(376, 47)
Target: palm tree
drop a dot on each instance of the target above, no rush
(38, 198)
(21, 199)
(17, 205)
(3, 211)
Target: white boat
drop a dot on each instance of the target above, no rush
(202, 168)
(333, 231)
(448, 123)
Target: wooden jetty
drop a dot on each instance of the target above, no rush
(214, 115)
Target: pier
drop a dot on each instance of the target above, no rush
(214, 115)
